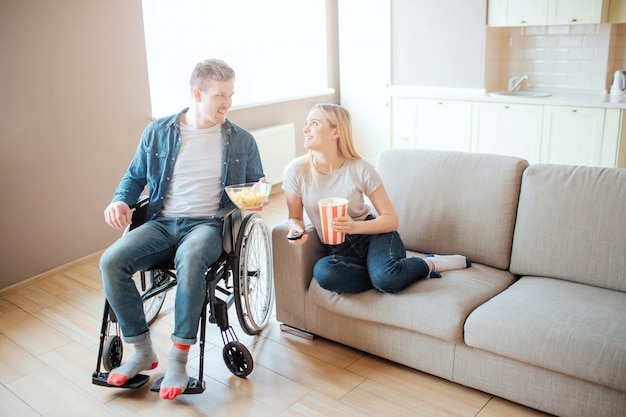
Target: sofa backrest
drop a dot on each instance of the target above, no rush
(571, 225)
(454, 202)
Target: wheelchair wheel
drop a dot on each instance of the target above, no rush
(112, 352)
(254, 275)
(152, 304)
(238, 359)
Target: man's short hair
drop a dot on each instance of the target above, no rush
(210, 69)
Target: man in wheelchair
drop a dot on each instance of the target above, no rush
(186, 160)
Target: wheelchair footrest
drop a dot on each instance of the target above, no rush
(194, 386)
(100, 378)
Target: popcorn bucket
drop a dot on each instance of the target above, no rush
(330, 208)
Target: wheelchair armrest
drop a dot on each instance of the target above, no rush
(140, 209)
(143, 200)
(226, 211)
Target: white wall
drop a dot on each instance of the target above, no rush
(438, 43)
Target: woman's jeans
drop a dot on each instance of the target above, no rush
(194, 244)
(363, 262)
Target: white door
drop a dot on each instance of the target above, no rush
(517, 12)
(569, 12)
(572, 135)
(445, 125)
(507, 129)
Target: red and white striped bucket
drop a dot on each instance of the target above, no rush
(330, 208)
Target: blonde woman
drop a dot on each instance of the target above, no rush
(373, 255)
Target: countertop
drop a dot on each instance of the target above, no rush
(558, 98)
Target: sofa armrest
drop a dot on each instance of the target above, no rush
(293, 272)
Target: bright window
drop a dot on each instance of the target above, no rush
(276, 47)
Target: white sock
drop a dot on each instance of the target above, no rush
(175, 380)
(441, 263)
(144, 359)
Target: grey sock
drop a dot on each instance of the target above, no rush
(176, 378)
(144, 359)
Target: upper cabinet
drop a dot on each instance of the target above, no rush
(617, 11)
(517, 12)
(547, 12)
(571, 12)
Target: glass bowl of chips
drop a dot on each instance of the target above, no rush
(250, 195)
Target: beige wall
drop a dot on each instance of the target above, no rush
(74, 96)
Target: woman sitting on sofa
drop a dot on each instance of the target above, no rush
(372, 255)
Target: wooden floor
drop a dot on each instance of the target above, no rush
(49, 344)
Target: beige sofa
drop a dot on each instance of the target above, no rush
(539, 318)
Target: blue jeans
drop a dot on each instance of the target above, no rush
(194, 244)
(364, 262)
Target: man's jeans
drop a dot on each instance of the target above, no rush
(364, 262)
(194, 244)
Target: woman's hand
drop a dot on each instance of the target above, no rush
(297, 236)
(344, 224)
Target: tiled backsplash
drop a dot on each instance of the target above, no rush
(564, 58)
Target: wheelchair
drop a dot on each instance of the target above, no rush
(243, 275)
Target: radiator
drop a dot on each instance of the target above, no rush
(277, 146)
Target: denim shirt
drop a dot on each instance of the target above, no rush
(156, 155)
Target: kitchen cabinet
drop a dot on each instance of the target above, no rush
(431, 124)
(508, 129)
(517, 12)
(569, 12)
(581, 136)
(443, 125)
(617, 11)
(540, 133)
(546, 12)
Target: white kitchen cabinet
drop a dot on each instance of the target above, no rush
(570, 12)
(431, 124)
(546, 12)
(517, 12)
(574, 136)
(613, 137)
(507, 129)
(617, 11)
(443, 125)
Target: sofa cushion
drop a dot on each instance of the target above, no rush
(571, 225)
(454, 202)
(575, 329)
(437, 307)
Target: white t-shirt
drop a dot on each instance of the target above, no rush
(355, 180)
(196, 184)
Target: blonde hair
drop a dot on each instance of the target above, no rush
(339, 117)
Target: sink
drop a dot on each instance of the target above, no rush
(526, 94)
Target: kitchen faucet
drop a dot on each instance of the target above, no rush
(515, 83)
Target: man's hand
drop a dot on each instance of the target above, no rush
(118, 215)
(266, 202)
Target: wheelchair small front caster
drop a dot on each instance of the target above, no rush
(238, 359)
(112, 352)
